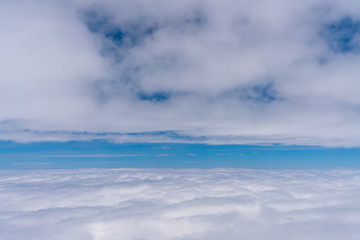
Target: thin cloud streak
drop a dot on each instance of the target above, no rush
(76, 155)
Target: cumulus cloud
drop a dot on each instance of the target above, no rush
(179, 204)
(209, 71)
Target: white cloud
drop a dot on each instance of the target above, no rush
(231, 71)
(179, 204)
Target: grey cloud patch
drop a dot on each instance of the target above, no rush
(264, 93)
(118, 37)
(193, 20)
(154, 97)
(130, 31)
(343, 36)
(179, 204)
(119, 137)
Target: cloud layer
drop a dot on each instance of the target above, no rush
(179, 204)
(216, 72)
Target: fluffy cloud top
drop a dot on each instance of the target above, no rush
(215, 71)
(179, 204)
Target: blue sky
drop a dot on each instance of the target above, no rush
(102, 154)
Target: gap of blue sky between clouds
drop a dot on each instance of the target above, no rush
(102, 154)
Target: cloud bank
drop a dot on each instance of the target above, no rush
(209, 71)
(179, 204)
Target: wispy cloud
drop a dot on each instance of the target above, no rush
(76, 155)
(32, 163)
(164, 155)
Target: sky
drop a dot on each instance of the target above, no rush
(102, 154)
(209, 72)
(188, 119)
